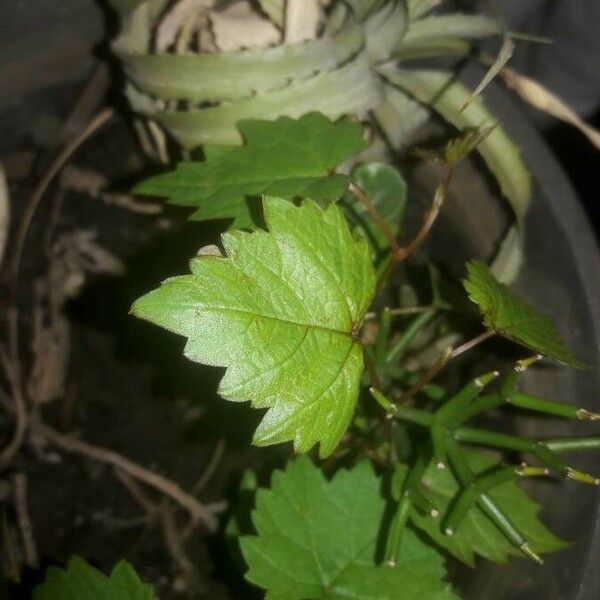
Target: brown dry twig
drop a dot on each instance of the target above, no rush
(24, 521)
(20, 409)
(197, 510)
(15, 263)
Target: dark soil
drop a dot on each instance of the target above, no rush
(130, 389)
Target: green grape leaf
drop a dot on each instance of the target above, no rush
(282, 311)
(477, 534)
(318, 539)
(287, 158)
(386, 188)
(506, 314)
(80, 581)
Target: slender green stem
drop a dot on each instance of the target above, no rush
(431, 390)
(409, 494)
(383, 335)
(573, 444)
(539, 449)
(466, 477)
(371, 368)
(537, 404)
(362, 197)
(481, 404)
(402, 344)
(430, 217)
(441, 362)
(452, 412)
(389, 407)
(469, 435)
(394, 540)
(438, 434)
(469, 495)
(509, 385)
(411, 310)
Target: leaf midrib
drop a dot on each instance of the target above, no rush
(271, 318)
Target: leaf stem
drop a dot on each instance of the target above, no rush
(362, 197)
(409, 495)
(573, 444)
(441, 362)
(429, 218)
(467, 478)
(401, 345)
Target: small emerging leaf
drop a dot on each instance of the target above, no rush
(282, 311)
(287, 158)
(318, 539)
(80, 581)
(458, 148)
(477, 534)
(506, 314)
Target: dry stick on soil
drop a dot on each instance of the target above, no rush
(215, 459)
(20, 410)
(14, 266)
(198, 511)
(23, 520)
(149, 507)
(174, 542)
(4, 213)
(173, 538)
(10, 562)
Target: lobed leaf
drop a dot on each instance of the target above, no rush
(80, 581)
(318, 539)
(286, 158)
(505, 313)
(281, 311)
(477, 534)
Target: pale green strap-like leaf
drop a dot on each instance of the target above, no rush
(235, 75)
(431, 48)
(399, 115)
(506, 51)
(418, 8)
(509, 256)
(352, 89)
(384, 29)
(363, 8)
(126, 6)
(275, 10)
(444, 26)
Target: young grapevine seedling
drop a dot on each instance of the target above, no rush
(285, 308)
